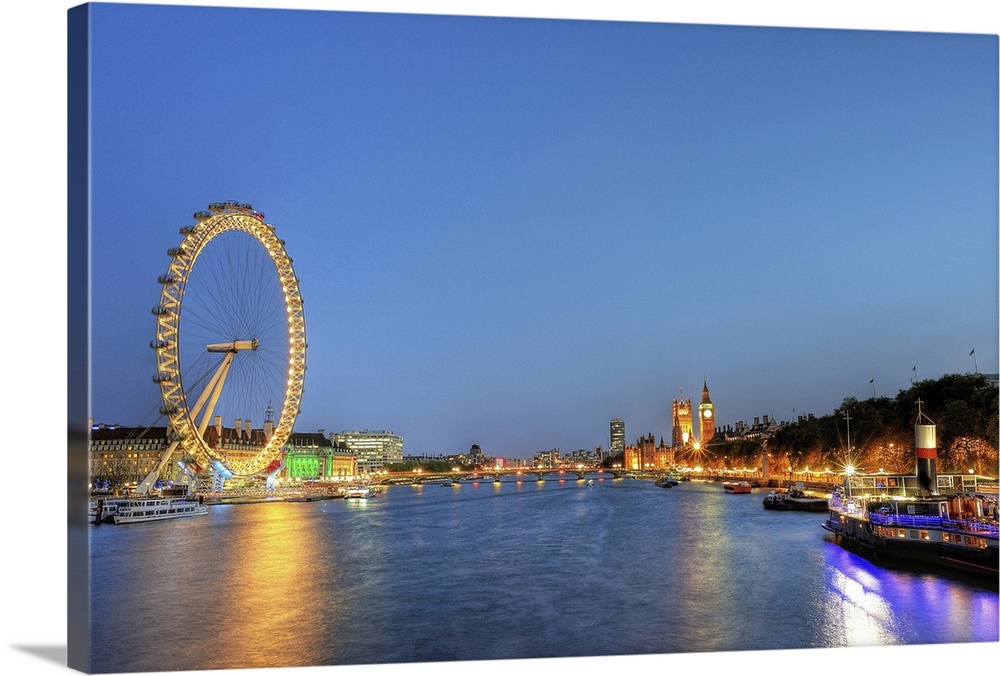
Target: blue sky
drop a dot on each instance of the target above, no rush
(509, 231)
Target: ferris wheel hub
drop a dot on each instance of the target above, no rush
(234, 346)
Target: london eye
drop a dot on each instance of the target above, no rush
(230, 343)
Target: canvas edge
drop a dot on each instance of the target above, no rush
(78, 333)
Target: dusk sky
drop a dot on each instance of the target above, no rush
(509, 231)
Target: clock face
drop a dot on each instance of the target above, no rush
(708, 413)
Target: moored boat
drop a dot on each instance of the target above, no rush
(952, 531)
(158, 509)
(776, 501)
(667, 482)
(360, 493)
(737, 487)
(795, 499)
(106, 507)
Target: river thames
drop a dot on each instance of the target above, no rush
(490, 571)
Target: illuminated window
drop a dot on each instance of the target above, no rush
(924, 535)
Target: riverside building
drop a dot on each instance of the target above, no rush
(374, 448)
(647, 456)
(311, 455)
(121, 456)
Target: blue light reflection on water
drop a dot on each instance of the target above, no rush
(517, 570)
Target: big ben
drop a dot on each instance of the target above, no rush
(706, 415)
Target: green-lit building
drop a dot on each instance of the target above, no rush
(310, 455)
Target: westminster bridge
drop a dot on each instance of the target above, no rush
(824, 481)
(512, 474)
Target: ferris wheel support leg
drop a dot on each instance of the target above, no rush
(147, 483)
(212, 389)
(220, 378)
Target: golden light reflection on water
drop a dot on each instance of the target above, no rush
(272, 612)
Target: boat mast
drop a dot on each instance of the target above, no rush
(847, 479)
(847, 417)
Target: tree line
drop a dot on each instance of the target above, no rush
(963, 407)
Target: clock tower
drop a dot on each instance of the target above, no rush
(706, 415)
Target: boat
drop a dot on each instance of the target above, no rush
(667, 482)
(737, 487)
(106, 507)
(795, 499)
(360, 493)
(158, 509)
(776, 501)
(910, 523)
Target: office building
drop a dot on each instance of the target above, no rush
(374, 448)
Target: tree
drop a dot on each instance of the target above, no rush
(963, 407)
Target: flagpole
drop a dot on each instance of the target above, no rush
(974, 362)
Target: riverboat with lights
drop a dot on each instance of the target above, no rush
(907, 521)
(158, 509)
(737, 487)
(360, 493)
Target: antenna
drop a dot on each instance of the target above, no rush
(920, 414)
(847, 416)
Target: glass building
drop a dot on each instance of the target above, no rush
(617, 436)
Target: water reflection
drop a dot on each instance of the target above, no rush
(873, 606)
(502, 571)
(273, 594)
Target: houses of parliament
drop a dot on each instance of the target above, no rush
(646, 454)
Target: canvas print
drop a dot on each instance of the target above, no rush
(423, 338)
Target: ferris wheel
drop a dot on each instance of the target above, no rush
(230, 342)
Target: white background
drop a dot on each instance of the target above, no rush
(33, 329)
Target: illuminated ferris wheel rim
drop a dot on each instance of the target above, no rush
(221, 218)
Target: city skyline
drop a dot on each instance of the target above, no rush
(511, 231)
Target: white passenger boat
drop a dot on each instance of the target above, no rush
(360, 493)
(157, 509)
